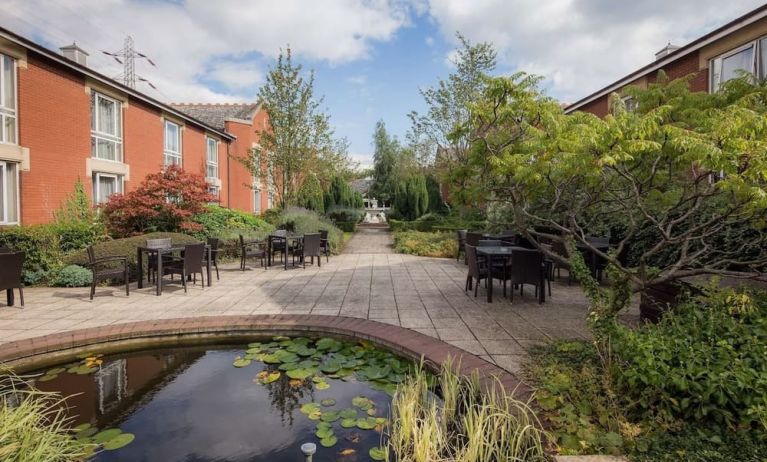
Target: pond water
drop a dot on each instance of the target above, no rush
(230, 403)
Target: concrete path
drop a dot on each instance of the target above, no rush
(367, 281)
(370, 240)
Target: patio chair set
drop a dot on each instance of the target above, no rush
(287, 244)
(512, 259)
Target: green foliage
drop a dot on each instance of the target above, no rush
(339, 214)
(440, 244)
(305, 221)
(73, 276)
(696, 445)
(341, 195)
(127, 247)
(311, 196)
(436, 204)
(705, 361)
(412, 198)
(227, 225)
(385, 158)
(77, 207)
(347, 226)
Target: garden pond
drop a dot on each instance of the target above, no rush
(256, 402)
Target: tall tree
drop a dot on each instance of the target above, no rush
(437, 135)
(299, 131)
(385, 160)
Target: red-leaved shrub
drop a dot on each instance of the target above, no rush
(165, 201)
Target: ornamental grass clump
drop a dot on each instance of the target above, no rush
(469, 424)
(34, 426)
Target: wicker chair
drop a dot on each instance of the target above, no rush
(460, 236)
(164, 243)
(310, 248)
(104, 268)
(251, 249)
(188, 265)
(215, 248)
(11, 266)
(526, 268)
(324, 244)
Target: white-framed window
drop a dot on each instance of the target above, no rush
(9, 193)
(172, 143)
(257, 200)
(211, 145)
(214, 191)
(106, 128)
(8, 126)
(751, 58)
(104, 185)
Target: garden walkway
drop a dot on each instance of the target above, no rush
(367, 281)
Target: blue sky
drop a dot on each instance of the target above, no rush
(370, 56)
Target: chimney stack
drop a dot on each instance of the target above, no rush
(665, 51)
(75, 53)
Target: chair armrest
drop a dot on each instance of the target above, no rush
(112, 258)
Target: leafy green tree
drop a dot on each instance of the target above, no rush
(77, 208)
(437, 136)
(385, 159)
(299, 139)
(687, 169)
(436, 204)
(311, 196)
(412, 198)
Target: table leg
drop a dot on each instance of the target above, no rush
(209, 255)
(489, 279)
(10, 297)
(268, 251)
(285, 254)
(542, 287)
(159, 273)
(140, 263)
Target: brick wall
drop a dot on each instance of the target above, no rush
(143, 142)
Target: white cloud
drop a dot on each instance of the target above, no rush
(199, 40)
(581, 45)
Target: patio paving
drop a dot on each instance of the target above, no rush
(367, 281)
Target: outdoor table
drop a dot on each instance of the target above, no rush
(287, 237)
(493, 252)
(141, 250)
(599, 245)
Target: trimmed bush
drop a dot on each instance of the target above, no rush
(227, 225)
(339, 214)
(127, 247)
(347, 226)
(73, 276)
(426, 244)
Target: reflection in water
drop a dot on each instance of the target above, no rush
(190, 404)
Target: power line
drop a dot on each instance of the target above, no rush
(127, 57)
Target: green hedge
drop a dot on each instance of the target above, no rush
(306, 221)
(45, 246)
(433, 222)
(127, 247)
(227, 225)
(426, 244)
(347, 226)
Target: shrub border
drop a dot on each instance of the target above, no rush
(52, 348)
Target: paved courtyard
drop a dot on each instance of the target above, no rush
(366, 281)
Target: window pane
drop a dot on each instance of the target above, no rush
(733, 65)
(11, 193)
(107, 149)
(171, 137)
(9, 129)
(3, 184)
(107, 187)
(93, 111)
(9, 83)
(106, 119)
(763, 59)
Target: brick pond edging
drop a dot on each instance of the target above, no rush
(413, 345)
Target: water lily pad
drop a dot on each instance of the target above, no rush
(56, 371)
(344, 372)
(348, 423)
(362, 402)
(328, 344)
(82, 427)
(378, 453)
(328, 402)
(316, 415)
(306, 363)
(288, 366)
(119, 441)
(323, 433)
(330, 416)
(255, 345)
(366, 423)
(329, 442)
(301, 374)
(330, 366)
(270, 358)
(241, 362)
(381, 420)
(322, 385)
(106, 435)
(85, 370)
(372, 412)
(47, 377)
(348, 413)
(285, 356)
(308, 408)
(253, 351)
(86, 433)
(375, 372)
(324, 425)
(280, 338)
(271, 377)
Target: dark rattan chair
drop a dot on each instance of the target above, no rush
(460, 236)
(473, 238)
(11, 270)
(188, 265)
(252, 249)
(526, 268)
(310, 248)
(164, 243)
(215, 248)
(477, 270)
(108, 268)
(324, 244)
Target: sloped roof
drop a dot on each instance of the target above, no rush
(216, 114)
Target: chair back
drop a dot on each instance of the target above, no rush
(193, 255)
(461, 235)
(5, 249)
(91, 255)
(323, 234)
(11, 268)
(473, 238)
(489, 243)
(558, 247)
(526, 265)
(312, 244)
(471, 260)
(215, 244)
(159, 243)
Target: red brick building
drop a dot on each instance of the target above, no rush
(61, 121)
(713, 59)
